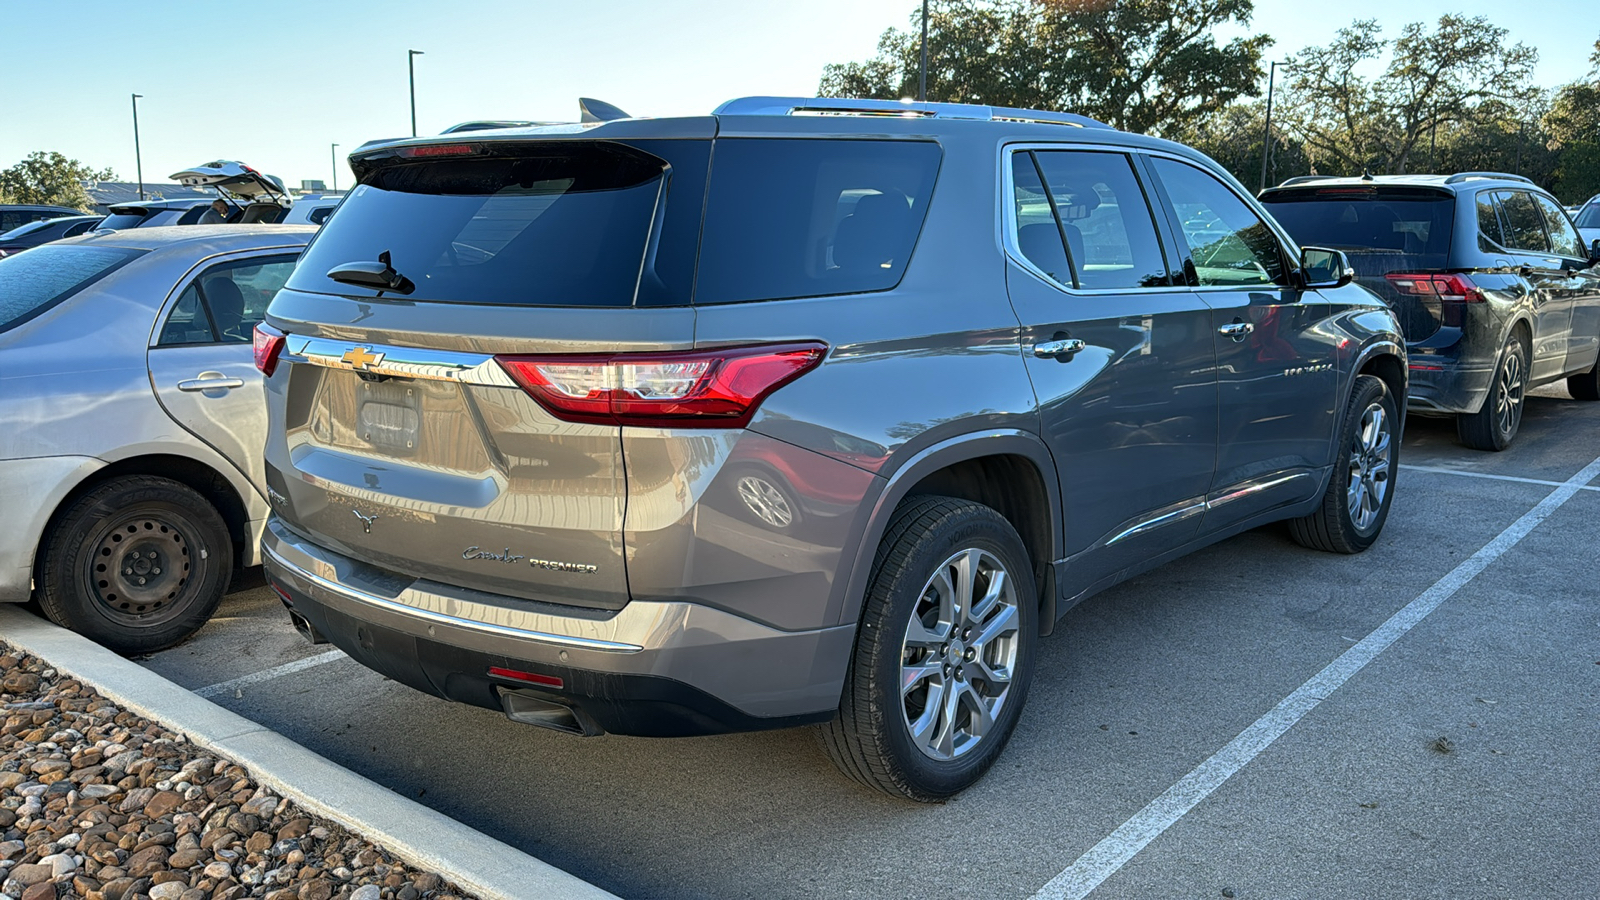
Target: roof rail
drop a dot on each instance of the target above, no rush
(901, 109)
(1459, 177)
(1302, 179)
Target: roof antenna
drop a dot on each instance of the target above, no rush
(1366, 175)
(591, 110)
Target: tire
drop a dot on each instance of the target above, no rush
(930, 542)
(1585, 385)
(140, 527)
(1495, 425)
(1349, 521)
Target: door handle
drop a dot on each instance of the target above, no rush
(1237, 330)
(210, 381)
(1061, 348)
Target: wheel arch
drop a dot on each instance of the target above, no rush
(1010, 471)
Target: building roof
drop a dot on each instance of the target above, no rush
(110, 193)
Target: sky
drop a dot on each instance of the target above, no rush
(276, 82)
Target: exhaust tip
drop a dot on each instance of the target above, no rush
(544, 713)
(306, 629)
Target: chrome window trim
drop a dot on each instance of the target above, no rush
(1007, 221)
(400, 362)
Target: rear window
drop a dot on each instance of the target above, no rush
(32, 282)
(562, 223)
(806, 218)
(119, 220)
(29, 228)
(1412, 224)
(1589, 216)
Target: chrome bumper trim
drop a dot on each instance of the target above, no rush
(399, 362)
(397, 607)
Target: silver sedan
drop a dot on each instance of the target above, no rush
(131, 484)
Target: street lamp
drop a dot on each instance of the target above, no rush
(138, 162)
(922, 84)
(333, 158)
(1266, 129)
(411, 67)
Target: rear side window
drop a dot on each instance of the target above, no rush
(1524, 226)
(807, 218)
(1489, 228)
(559, 223)
(1104, 218)
(120, 220)
(1229, 244)
(225, 302)
(1563, 237)
(32, 282)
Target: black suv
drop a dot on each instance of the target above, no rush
(1494, 288)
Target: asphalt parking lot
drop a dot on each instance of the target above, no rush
(1454, 759)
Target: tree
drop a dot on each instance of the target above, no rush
(1141, 65)
(1232, 137)
(1573, 126)
(51, 179)
(1452, 76)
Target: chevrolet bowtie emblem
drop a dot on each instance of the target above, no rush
(361, 358)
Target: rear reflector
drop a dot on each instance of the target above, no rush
(268, 344)
(530, 677)
(719, 388)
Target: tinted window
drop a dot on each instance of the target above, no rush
(807, 218)
(1381, 224)
(320, 215)
(1589, 216)
(32, 282)
(565, 223)
(120, 220)
(1105, 218)
(29, 228)
(188, 322)
(1228, 242)
(1563, 237)
(79, 228)
(1524, 226)
(236, 294)
(1489, 227)
(1038, 236)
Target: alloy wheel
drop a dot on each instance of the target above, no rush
(1508, 395)
(957, 659)
(1369, 467)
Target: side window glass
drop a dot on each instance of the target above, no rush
(188, 322)
(1489, 223)
(1037, 235)
(78, 229)
(1563, 237)
(1229, 244)
(1110, 234)
(1524, 224)
(237, 294)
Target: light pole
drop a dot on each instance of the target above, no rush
(1266, 130)
(922, 82)
(411, 67)
(333, 159)
(138, 162)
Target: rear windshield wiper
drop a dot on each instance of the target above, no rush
(379, 276)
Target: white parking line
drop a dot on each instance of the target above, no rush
(1111, 854)
(1443, 471)
(299, 665)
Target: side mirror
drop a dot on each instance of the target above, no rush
(1594, 252)
(1324, 268)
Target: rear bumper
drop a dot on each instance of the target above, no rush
(1439, 384)
(652, 668)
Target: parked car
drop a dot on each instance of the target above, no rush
(154, 213)
(805, 438)
(313, 209)
(1587, 220)
(16, 215)
(1494, 289)
(263, 197)
(43, 231)
(130, 464)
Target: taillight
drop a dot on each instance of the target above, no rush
(268, 344)
(1447, 287)
(424, 151)
(719, 388)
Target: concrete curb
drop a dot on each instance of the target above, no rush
(422, 837)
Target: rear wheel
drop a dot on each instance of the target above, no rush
(944, 655)
(137, 564)
(1494, 426)
(1362, 487)
(1585, 385)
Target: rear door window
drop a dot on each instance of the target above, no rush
(1105, 219)
(1489, 226)
(808, 218)
(1229, 244)
(1563, 237)
(1524, 226)
(224, 304)
(32, 282)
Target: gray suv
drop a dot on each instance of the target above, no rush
(806, 412)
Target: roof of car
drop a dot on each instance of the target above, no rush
(219, 238)
(1446, 182)
(178, 203)
(39, 206)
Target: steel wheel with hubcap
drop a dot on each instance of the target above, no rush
(944, 652)
(137, 564)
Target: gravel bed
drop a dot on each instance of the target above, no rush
(99, 804)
